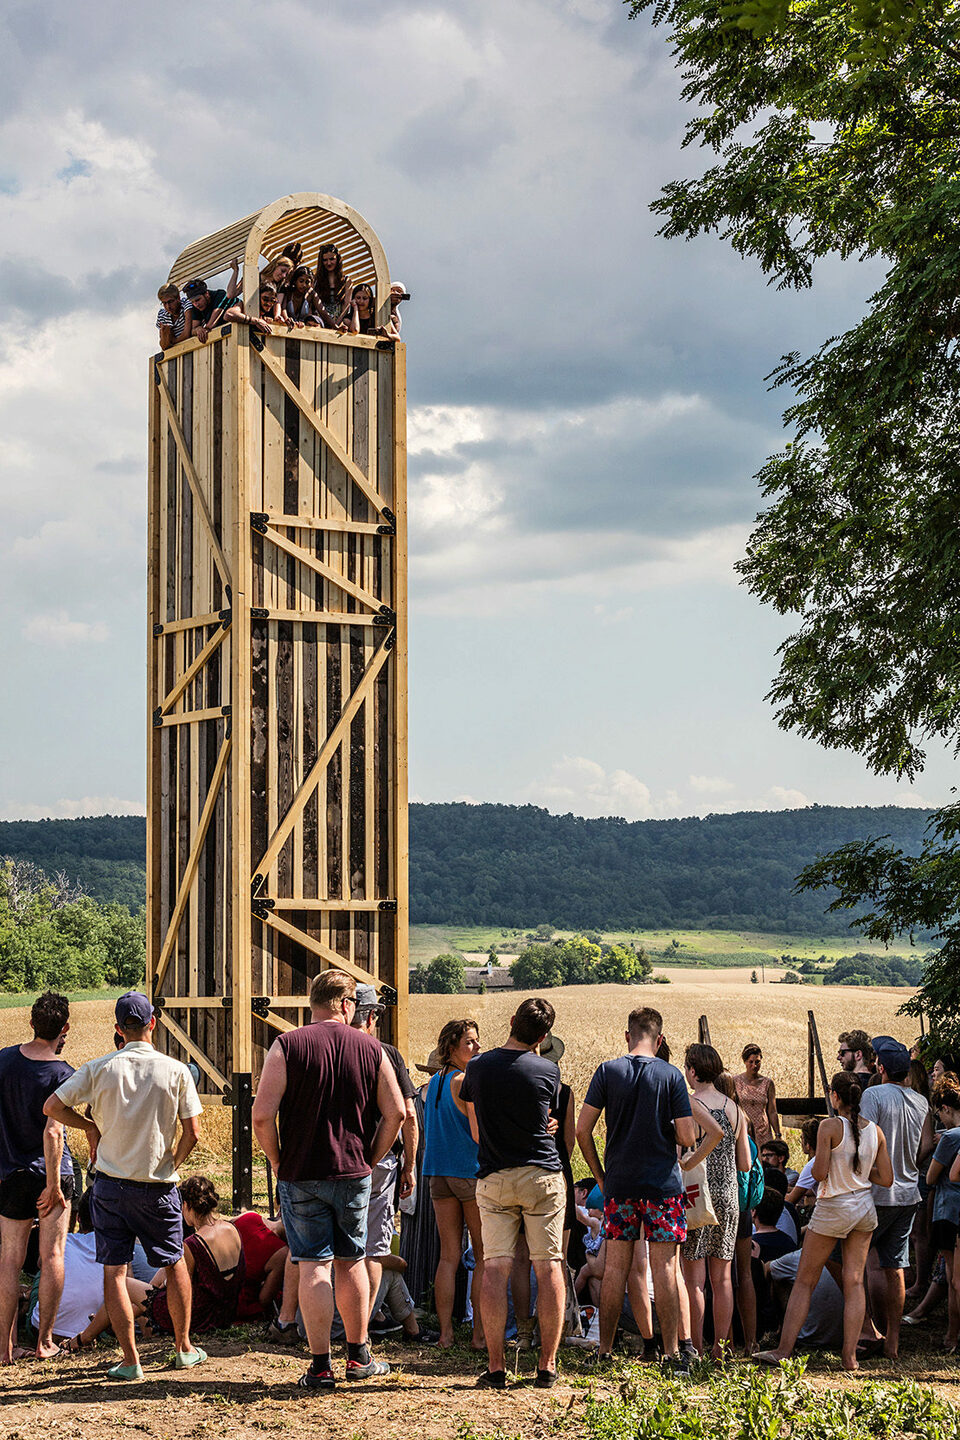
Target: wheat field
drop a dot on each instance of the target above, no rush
(590, 1020)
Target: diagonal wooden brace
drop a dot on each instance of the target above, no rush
(209, 649)
(317, 947)
(193, 479)
(325, 433)
(183, 1039)
(193, 860)
(327, 571)
(327, 750)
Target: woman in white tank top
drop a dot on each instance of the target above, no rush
(851, 1158)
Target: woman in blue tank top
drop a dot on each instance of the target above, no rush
(450, 1160)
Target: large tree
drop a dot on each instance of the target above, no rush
(835, 129)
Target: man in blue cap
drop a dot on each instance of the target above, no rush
(136, 1097)
(904, 1117)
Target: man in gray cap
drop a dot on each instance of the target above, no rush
(403, 1156)
(136, 1097)
(904, 1117)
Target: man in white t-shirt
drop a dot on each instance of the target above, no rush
(136, 1097)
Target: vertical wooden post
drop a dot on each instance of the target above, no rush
(399, 549)
(703, 1030)
(809, 1055)
(815, 1038)
(239, 409)
(154, 618)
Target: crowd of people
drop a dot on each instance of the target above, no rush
(289, 294)
(692, 1234)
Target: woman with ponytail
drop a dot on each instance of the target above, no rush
(851, 1157)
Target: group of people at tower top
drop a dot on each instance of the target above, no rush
(340, 1122)
(289, 294)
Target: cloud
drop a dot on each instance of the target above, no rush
(710, 785)
(782, 798)
(583, 787)
(60, 629)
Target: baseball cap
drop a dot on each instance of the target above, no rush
(133, 1009)
(892, 1055)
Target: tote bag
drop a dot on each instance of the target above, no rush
(696, 1198)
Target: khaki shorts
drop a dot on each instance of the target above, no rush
(840, 1215)
(526, 1196)
(453, 1187)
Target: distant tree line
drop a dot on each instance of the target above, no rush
(516, 865)
(51, 934)
(106, 855)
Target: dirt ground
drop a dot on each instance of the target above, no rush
(246, 1390)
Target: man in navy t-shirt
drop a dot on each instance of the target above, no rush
(648, 1114)
(36, 1169)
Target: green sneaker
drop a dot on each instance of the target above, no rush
(125, 1372)
(186, 1359)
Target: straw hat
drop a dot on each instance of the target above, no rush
(552, 1048)
(432, 1065)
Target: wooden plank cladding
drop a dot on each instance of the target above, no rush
(276, 686)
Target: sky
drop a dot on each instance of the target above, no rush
(587, 404)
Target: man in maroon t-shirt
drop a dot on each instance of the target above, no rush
(328, 1109)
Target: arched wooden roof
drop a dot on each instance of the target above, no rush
(312, 219)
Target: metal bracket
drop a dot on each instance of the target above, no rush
(158, 717)
(260, 521)
(257, 883)
(390, 641)
(156, 370)
(225, 329)
(386, 529)
(226, 1001)
(387, 995)
(158, 1002)
(257, 341)
(226, 616)
(226, 711)
(389, 907)
(385, 344)
(229, 593)
(260, 1005)
(385, 616)
(158, 630)
(257, 612)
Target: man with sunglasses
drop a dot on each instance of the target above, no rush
(855, 1054)
(328, 1109)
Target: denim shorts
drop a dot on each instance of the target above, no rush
(325, 1219)
(124, 1211)
(891, 1239)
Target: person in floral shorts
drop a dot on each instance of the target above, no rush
(648, 1114)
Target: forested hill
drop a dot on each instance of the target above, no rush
(518, 865)
(107, 854)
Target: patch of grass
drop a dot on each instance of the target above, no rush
(16, 1001)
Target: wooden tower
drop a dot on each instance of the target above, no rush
(277, 753)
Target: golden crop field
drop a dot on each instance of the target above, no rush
(590, 1020)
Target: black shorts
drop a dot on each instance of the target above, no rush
(20, 1192)
(745, 1225)
(943, 1235)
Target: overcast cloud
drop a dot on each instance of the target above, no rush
(587, 401)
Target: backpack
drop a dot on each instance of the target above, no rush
(750, 1182)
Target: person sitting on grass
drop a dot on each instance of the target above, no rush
(265, 1253)
(214, 1259)
(851, 1158)
(776, 1155)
